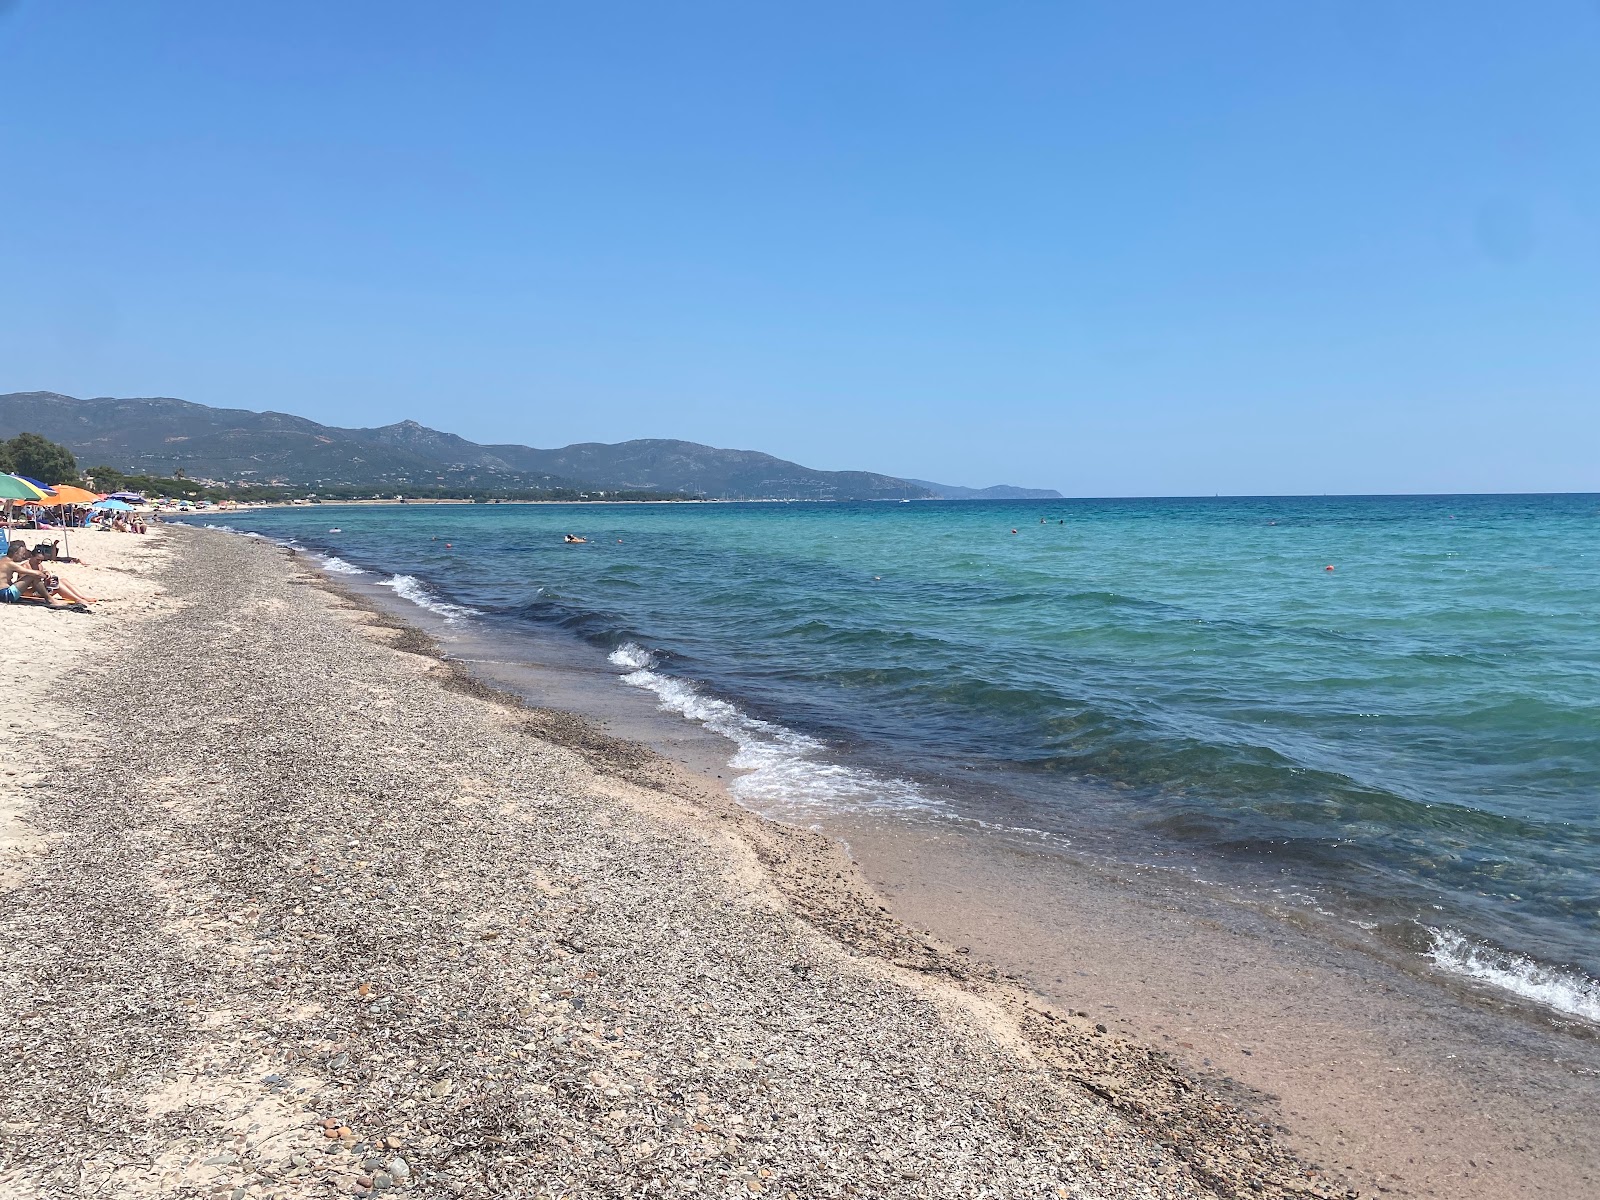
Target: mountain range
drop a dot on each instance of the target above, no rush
(1000, 491)
(160, 435)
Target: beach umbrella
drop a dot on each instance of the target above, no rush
(43, 487)
(65, 496)
(66, 493)
(74, 497)
(14, 487)
(112, 504)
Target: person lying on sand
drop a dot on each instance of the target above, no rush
(54, 584)
(18, 579)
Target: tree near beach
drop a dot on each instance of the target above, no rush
(38, 458)
(109, 479)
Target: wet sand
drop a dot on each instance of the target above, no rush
(1403, 1084)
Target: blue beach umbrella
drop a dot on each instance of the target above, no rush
(112, 505)
(43, 487)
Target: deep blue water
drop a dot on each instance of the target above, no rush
(1410, 741)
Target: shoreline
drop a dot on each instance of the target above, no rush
(1395, 871)
(1405, 1084)
(1245, 1001)
(371, 918)
(819, 875)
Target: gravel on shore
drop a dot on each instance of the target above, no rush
(315, 914)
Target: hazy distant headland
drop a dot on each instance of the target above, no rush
(163, 437)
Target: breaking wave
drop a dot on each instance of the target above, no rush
(1570, 993)
(786, 775)
(409, 587)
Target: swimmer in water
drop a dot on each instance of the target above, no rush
(573, 539)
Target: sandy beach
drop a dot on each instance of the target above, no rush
(308, 908)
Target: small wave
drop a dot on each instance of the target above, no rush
(337, 566)
(409, 587)
(1571, 993)
(633, 657)
(787, 774)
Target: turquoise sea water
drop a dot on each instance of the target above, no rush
(1409, 741)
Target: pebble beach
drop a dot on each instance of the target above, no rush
(304, 911)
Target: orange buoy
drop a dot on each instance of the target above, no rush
(1329, 567)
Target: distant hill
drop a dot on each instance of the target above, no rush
(158, 435)
(155, 436)
(1000, 491)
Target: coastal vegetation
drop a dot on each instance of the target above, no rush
(38, 458)
(180, 487)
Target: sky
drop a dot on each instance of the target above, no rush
(1120, 248)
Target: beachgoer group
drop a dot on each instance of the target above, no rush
(25, 575)
(115, 522)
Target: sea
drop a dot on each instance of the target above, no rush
(1381, 711)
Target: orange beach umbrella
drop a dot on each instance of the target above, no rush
(67, 494)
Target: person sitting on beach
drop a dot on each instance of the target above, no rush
(18, 579)
(53, 584)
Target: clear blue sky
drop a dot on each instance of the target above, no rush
(1114, 248)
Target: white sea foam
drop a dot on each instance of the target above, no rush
(787, 775)
(409, 587)
(632, 656)
(335, 565)
(1571, 993)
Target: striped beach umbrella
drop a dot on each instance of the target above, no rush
(14, 487)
